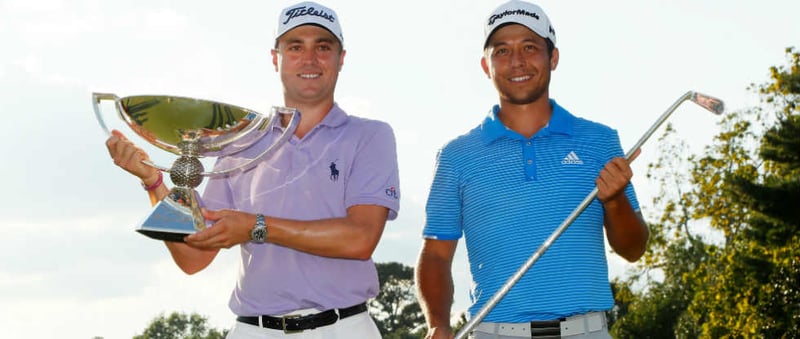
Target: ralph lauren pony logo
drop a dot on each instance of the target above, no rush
(334, 171)
(303, 10)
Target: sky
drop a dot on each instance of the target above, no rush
(72, 265)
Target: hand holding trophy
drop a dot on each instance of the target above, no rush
(192, 129)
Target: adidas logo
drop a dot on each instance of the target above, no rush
(572, 159)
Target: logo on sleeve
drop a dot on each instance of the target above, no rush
(391, 192)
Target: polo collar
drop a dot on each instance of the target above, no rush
(335, 118)
(561, 122)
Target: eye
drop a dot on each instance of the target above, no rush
(500, 51)
(531, 48)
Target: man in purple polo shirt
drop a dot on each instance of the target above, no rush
(308, 218)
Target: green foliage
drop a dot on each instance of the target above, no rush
(396, 310)
(745, 186)
(180, 326)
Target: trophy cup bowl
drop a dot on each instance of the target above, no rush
(192, 129)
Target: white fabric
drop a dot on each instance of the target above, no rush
(523, 13)
(305, 13)
(356, 326)
(585, 326)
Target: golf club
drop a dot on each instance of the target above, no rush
(710, 103)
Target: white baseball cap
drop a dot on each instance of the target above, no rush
(306, 13)
(523, 13)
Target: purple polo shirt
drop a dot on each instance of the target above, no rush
(343, 161)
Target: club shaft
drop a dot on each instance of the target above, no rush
(492, 302)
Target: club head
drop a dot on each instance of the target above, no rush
(708, 102)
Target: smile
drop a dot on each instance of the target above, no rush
(520, 78)
(310, 76)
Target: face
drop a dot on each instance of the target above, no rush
(308, 59)
(517, 61)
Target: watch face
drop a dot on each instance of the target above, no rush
(259, 234)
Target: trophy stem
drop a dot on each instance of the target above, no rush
(175, 217)
(178, 214)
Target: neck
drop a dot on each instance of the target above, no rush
(526, 119)
(311, 114)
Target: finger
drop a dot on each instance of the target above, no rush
(132, 157)
(204, 236)
(635, 155)
(619, 168)
(118, 134)
(211, 215)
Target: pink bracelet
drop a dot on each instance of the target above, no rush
(155, 185)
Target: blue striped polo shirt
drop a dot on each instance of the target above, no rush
(507, 194)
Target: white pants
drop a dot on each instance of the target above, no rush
(356, 326)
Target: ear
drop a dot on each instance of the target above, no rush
(554, 60)
(341, 60)
(274, 59)
(485, 67)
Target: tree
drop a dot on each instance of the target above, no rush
(768, 251)
(746, 187)
(396, 310)
(180, 326)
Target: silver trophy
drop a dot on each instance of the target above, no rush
(192, 129)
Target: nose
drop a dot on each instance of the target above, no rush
(517, 58)
(308, 56)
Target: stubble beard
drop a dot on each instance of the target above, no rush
(528, 97)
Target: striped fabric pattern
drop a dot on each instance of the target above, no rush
(506, 194)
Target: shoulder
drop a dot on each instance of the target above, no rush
(462, 143)
(584, 127)
(580, 126)
(367, 125)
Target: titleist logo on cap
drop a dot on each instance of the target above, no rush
(303, 11)
(498, 16)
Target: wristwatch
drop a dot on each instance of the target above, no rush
(259, 232)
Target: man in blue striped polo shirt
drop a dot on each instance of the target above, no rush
(507, 184)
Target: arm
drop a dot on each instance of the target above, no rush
(129, 157)
(435, 285)
(625, 228)
(354, 236)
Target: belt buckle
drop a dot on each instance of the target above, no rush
(283, 323)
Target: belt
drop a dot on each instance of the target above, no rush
(299, 323)
(579, 324)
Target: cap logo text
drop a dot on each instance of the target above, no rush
(505, 13)
(303, 11)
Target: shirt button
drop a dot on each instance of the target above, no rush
(530, 162)
(528, 143)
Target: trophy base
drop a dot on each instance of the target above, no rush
(163, 235)
(174, 217)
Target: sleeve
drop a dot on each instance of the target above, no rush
(374, 177)
(443, 209)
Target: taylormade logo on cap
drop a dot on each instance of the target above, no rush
(306, 13)
(523, 13)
